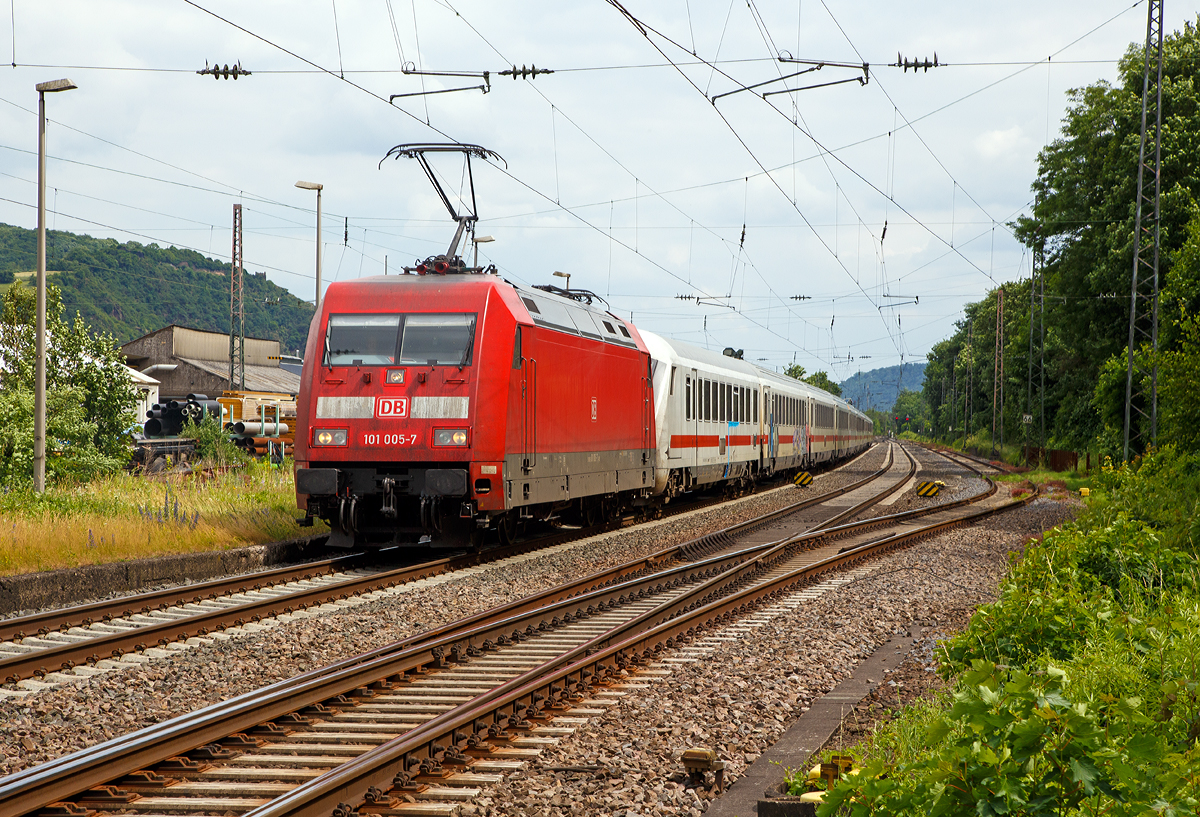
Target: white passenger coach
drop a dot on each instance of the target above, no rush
(720, 418)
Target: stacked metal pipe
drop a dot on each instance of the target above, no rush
(168, 419)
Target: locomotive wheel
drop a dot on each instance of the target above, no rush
(610, 509)
(591, 513)
(508, 527)
(476, 539)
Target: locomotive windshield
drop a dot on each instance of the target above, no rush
(384, 340)
(437, 340)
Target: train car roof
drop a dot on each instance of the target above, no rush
(687, 351)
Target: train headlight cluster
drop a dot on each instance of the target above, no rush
(395, 376)
(329, 436)
(450, 437)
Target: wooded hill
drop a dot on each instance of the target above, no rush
(131, 289)
(879, 388)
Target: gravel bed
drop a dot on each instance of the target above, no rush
(740, 699)
(41, 726)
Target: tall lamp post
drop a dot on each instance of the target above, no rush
(318, 188)
(39, 389)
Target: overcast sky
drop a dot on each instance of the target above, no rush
(620, 168)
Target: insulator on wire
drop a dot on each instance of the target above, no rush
(216, 71)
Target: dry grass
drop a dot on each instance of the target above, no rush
(130, 517)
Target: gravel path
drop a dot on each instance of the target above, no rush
(41, 726)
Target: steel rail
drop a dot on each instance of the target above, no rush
(951, 453)
(400, 762)
(283, 703)
(64, 618)
(40, 662)
(68, 776)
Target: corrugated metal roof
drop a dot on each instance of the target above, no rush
(258, 378)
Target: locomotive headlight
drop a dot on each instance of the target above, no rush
(450, 436)
(329, 436)
(395, 376)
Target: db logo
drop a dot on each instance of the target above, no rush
(396, 407)
(593, 409)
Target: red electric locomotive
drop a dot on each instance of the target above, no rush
(436, 407)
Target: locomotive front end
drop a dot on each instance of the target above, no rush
(393, 448)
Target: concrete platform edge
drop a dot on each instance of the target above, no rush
(33, 591)
(811, 731)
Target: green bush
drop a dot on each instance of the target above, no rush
(1078, 690)
(212, 442)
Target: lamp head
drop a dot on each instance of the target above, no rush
(310, 186)
(55, 85)
(483, 239)
(562, 274)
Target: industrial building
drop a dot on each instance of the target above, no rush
(192, 361)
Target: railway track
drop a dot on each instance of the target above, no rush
(421, 724)
(53, 646)
(969, 460)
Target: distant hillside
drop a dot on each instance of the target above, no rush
(878, 388)
(130, 289)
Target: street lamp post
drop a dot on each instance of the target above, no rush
(318, 188)
(483, 239)
(566, 275)
(39, 390)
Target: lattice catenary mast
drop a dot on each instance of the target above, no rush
(237, 311)
(1143, 303)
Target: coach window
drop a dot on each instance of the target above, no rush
(687, 398)
(707, 400)
(755, 405)
(671, 390)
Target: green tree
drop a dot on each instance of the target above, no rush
(1083, 214)
(820, 379)
(910, 408)
(89, 393)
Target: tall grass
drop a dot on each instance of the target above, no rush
(126, 517)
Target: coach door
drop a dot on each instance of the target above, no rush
(648, 443)
(690, 444)
(770, 434)
(529, 414)
(677, 396)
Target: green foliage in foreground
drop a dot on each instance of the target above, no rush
(213, 443)
(1078, 691)
(89, 394)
